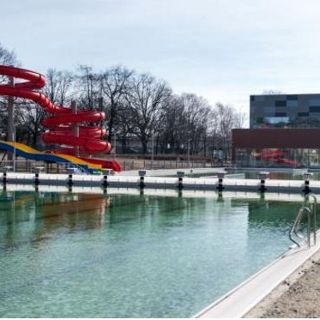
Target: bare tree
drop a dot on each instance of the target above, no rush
(114, 85)
(146, 101)
(135, 104)
(28, 123)
(172, 126)
(226, 119)
(185, 125)
(88, 86)
(59, 86)
(196, 111)
(7, 57)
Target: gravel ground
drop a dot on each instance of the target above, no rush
(296, 297)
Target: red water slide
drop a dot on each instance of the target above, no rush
(62, 122)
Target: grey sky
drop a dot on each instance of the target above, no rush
(224, 50)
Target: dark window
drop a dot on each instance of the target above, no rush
(259, 120)
(303, 114)
(314, 109)
(252, 98)
(280, 103)
(280, 114)
(292, 97)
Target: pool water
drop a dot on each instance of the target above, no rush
(81, 255)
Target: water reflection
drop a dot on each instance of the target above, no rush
(272, 212)
(33, 217)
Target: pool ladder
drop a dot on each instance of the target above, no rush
(309, 208)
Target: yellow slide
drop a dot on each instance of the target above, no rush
(29, 153)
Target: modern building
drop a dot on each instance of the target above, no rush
(285, 111)
(284, 132)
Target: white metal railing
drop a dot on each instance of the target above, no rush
(309, 208)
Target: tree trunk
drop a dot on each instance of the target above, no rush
(144, 143)
(124, 144)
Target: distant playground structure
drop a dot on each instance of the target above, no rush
(77, 143)
(276, 156)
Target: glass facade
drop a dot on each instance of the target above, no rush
(285, 111)
(272, 157)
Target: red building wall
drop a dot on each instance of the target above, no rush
(275, 138)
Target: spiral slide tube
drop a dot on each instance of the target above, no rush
(62, 121)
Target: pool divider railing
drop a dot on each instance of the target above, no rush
(220, 183)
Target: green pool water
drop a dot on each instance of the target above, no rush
(81, 255)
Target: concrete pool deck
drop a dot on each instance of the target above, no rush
(173, 172)
(296, 297)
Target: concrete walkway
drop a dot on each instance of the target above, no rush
(296, 297)
(156, 182)
(173, 172)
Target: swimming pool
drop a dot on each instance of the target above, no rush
(90, 255)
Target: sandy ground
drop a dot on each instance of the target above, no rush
(296, 297)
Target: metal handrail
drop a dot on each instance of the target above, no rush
(295, 228)
(313, 206)
(310, 209)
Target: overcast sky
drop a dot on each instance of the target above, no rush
(224, 50)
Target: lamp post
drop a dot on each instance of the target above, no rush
(11, 109)
(75, 128)
(189, 142)
(2, 135)
(115, 145)
(90, 78)
(152, 149)
(14, 150)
